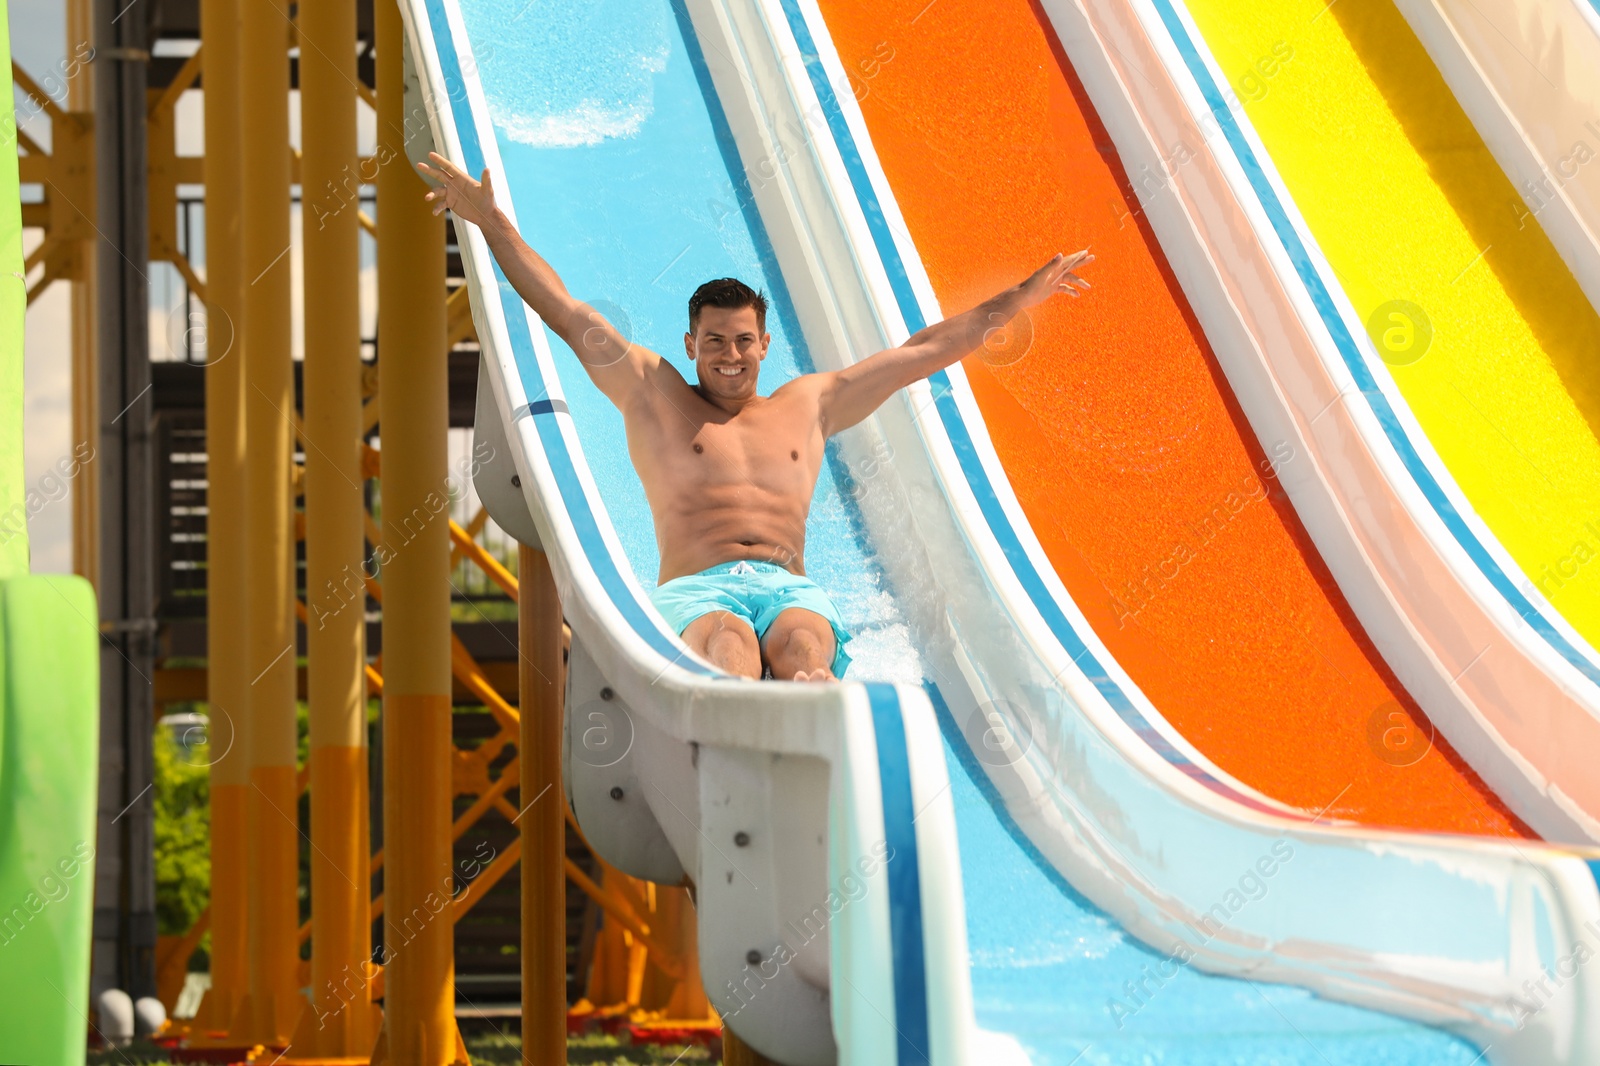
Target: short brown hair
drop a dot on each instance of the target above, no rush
(729, 294)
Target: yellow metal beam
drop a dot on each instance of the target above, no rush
(487, 879)
(465, 540)
(465, 669)
(189, 684)
(667, 961)
(181, 262)
(343, 1022)
(544, 834)
(85, 416)
(26, 83)
(461, 326)
(227, 683)
(478, 522)
(467, 546)
(467, 819)
(172, 959)
(181, 83)
(273, 1004)
(419, 975)
(66, 172)
(161, 186)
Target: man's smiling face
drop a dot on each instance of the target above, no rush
(727, 348)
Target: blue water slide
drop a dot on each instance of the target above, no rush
(982, 847)
(814, 821)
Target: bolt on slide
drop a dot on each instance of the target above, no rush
(1021, 839)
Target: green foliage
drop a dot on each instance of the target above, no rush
(493, 1047)
(486, 609)
(182, 833)
(486, 1047)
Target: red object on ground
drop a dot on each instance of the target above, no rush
(669, 1033)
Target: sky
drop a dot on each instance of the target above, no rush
(39, 44)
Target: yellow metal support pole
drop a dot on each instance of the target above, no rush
(272, 1006)
(227, 684)
(419, 932)
(343, 1023)
(544, 831)
(85, 409)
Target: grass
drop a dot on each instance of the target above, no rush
(487, 1047)
(496, 1049)
(138, 1053)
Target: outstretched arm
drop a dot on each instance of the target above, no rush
(615, 364)
(855, 392)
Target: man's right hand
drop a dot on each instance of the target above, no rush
(617, 365)
(471, 201)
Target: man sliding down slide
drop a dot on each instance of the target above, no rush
(730, 473)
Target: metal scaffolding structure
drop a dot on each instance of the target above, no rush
(256, 545)
(125, 903)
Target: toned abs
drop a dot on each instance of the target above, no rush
(722, 486)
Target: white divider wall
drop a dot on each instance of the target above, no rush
(1527, 72)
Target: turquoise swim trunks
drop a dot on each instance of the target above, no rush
(757, 592)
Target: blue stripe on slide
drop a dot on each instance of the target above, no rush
(905, 878)
(961, 439)
(1351, 352)
(853, 165)
(541, 407)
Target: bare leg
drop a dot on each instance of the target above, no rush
(800, 646)
(727, 641)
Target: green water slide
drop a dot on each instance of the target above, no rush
(49, 724)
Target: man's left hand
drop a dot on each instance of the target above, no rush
(1055, 276)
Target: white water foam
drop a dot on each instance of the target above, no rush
(604, 91)
(587, 124)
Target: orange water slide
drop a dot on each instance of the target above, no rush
(1155, 502)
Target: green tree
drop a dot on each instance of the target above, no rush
(182, 833)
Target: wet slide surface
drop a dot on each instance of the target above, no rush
(1157, 506)
(1055, 972)
(602, 122)
(1408, 204)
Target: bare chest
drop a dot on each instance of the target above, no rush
(776, 448)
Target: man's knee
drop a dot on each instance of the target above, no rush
(802, 641)
(801, 644)
(728, 638)
(732, 646)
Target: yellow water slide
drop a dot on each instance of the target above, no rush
(1483, 327)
